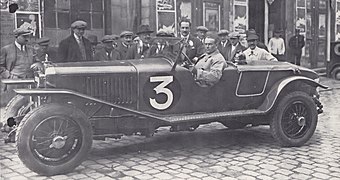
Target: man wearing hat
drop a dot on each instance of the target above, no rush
(41, 49)
(16, 59)
(75, 47)
(255, 53)
(125, 43)
(201, 33)
(193, 47)
(235, 47)
(94, 42)
(107, 52)
(223, 42)
(296, 43)
(208, 69)
(260, 44)
(276, 46)
(140, 50)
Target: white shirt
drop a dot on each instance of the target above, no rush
(276, 46)
(19, 46)
(258, 54)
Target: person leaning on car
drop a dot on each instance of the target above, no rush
(255, 53)
(107, 52)
(75, 47)
(16, 59)
(209, 67)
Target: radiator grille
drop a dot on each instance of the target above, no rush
(117, 89)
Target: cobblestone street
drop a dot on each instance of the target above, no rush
(210, 152)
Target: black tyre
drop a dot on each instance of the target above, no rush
(54, 139)
(17, 106)
(336, 73)
(294, 120)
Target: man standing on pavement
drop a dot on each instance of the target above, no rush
(193, 47)
(41, 49)
(255, 53)
(141, 49)
(201, 33)
(276, 46)
(125, 43)
(16, 59)
(296, 43)
(223, 42)
(107, 52)
(75, 47)
(235, 47)
(208, 69)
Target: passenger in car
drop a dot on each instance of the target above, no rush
(208, 69)
(255, 53)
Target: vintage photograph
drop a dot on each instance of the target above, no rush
(170, 89)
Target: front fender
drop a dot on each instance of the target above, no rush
(18, 81)
(50, 91)
(274, 93)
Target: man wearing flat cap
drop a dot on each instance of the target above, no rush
(107, 52)
(223, 43)
(201, 32)
(141, 49)
(235, 47)
(75, 47)
(125, 43)
(41, 49)
(254, 53)
(208, 69)
(16, 59)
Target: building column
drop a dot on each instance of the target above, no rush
(266, 22)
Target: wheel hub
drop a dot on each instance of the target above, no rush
(58, 142)
(301, 121)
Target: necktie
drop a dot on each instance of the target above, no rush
(251, 53)
(82, 49)
(22, 48)
(109, 55)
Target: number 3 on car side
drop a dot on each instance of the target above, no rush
(162, 89)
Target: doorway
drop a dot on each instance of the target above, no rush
(256, 17)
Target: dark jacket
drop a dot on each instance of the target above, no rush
(223, 49)
(122, 49)
(101, 55)
(231, 54)
(194, 47)
(69, 51)
(132, 52)
(296, 43)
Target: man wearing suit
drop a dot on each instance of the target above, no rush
(141, 49)
(16, 60)
(296, 43)
(201, 32)
(224, 42)
(193, 47)
(235, 47)
(107, 52)
(75, 47)
(125, 43)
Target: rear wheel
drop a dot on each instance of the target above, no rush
(294, 120)
(336, 73)
(18, 106)
(54, 139)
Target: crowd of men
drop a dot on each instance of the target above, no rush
(208, 55)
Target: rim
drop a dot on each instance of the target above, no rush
(337, 75)
(296, 120)
(56, 140)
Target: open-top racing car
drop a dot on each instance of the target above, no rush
(72, 103)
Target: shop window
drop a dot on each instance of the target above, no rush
(211, 15)
(61, 13)
(240, 10)
(184, 9)
(166, 15)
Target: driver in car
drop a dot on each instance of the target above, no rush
(208, 68)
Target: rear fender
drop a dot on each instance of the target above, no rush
(277, 89)
(63, 92)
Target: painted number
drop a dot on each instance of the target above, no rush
(161, 89)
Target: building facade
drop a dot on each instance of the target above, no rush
(318, 20)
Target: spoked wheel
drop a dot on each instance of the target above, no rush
(54, 139)
(295, 119)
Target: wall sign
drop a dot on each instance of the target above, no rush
(166, 16)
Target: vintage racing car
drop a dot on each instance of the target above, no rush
(72, 103)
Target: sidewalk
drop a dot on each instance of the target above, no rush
(331, 83)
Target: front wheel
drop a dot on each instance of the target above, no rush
(54, 139)
(294, 120)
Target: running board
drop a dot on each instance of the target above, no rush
(210, 116)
